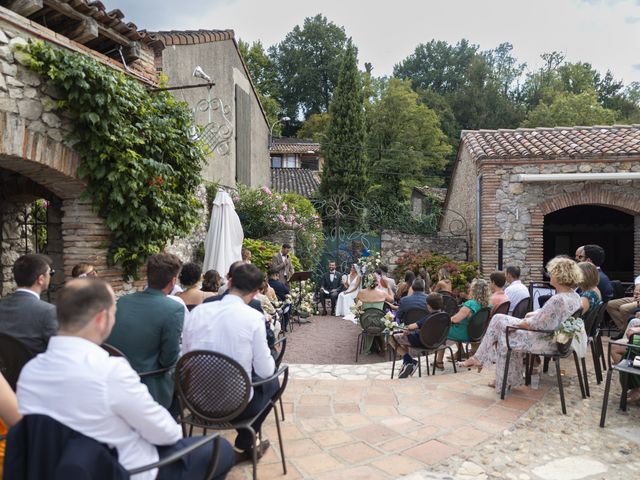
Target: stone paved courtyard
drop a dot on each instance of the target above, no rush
(353, 421)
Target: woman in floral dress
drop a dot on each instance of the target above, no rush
(565, 275)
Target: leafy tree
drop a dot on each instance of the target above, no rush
(308, 62)
(569, 109)
(406, 145)
(315, 127)
(344, 150)
(264, 75)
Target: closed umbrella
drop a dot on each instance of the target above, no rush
(223, 243)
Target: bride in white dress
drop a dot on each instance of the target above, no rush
(348, 297)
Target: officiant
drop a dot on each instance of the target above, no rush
(330, 287)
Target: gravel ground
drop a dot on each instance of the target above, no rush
(326, 340)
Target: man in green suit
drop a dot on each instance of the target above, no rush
(149, 325)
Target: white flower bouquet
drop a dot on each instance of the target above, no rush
(391, 324)
(568, 330)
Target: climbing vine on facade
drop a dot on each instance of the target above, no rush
(138, 159)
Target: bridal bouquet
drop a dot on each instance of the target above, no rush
(391, 324)
(357, 309)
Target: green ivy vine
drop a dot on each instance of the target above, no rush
(137, 157)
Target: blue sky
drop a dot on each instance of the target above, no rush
(605, 33)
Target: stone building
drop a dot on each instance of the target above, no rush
(547, 191)
(35, 161)
(239, 123)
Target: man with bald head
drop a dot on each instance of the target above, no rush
(78, 384)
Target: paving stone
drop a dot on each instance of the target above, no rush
(570, 468)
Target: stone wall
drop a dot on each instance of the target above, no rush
(394, 244)
(281, 237)
(187, 248)
(514, 211)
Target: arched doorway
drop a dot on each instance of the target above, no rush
(568, 228)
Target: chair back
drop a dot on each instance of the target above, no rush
(414, 314)
(501, 309)
(478, 324)
(280, 347)
(521, 309)
(590, 319)
(113, 351)
(371, 321)
(449, 304)
(435, 330)
(13, 356)
(600, 320)
(213, 386)
(577, 313)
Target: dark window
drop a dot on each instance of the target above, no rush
(310, 163)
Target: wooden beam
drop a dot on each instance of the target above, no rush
(24, 7)
(84, 31)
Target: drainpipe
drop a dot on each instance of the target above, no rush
(478, 219)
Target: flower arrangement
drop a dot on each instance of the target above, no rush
(391, 324)
(369, 263)
(568, 330)
(302, 298)
(357, 309)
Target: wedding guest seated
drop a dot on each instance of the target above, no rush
(268, 308)
(595, 254)
(418, 299)
(190, 278)
(444, 281)
(211, 281)
(23, 315)
(497, 281)
(403, 288)
(389, 280)
(78, 384)
(516, 290)
(384, 286)
(564, 277)
(422, 273)
(246, 255)
(410, 336)
(347, 297)
(621, 309)
(618, 352)
(82, 270)
(589, 293)
(279, 287)
(149, 326)
(330, 288)
(371, 297)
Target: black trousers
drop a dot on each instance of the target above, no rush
(331, 295)
(194, 465)
(261, 396)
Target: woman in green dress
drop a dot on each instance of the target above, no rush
(371, 297)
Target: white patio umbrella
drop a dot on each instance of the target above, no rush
(223, 243)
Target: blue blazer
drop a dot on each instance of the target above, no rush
(417, 300)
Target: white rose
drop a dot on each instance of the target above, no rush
(562, 337)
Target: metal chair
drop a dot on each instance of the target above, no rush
(413, 315)
(563, 351)
(477, 327)
(13, 356)
(371, 324)
(522, 308)
(64, 460)
(433, 336)
(280, 347)
(115, 352)
(501, 309)
(591, 322)
(449, 304)
(214, 389)
(624, 367)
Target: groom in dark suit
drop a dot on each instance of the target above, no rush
(330, 287)
(23, 315)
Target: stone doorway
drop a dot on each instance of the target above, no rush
(568, 228)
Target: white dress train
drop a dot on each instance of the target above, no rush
(346, 300)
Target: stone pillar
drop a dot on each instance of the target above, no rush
(11, 244)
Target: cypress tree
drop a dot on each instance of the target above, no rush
(344, 171)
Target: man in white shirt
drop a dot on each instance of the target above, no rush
(516, 291)
(230, 326)
(78, 384)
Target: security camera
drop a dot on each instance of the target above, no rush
(199, 73)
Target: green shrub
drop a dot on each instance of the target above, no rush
(461, 273)
(262, 252)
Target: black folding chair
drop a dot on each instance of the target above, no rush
(214, 389)
(13, 356)
(521, 309)
(449, 304)
(70, 459)
(115, 352)
(280, 346)
(563, 351)
(433, 336)
(413, 315)
(591, 321)
(625, 368)
(371, 324)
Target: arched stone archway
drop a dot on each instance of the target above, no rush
(594, 194)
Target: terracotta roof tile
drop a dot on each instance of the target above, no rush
(293, 145)
(192, 37)
(559, 142)
(297, 180)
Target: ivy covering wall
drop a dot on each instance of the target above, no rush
(138, 160)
